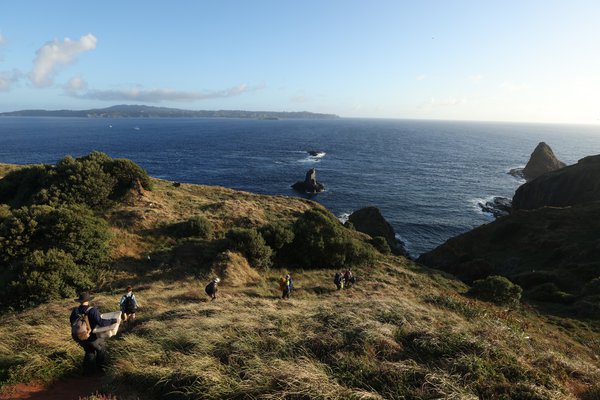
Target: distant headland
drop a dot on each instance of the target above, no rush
(140, 111)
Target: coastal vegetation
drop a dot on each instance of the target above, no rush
(402, 331)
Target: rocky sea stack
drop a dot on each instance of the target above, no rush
(369, 220)
(542, 160)
(309, 184)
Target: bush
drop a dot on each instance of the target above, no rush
(197, 226)
(381, 244)
(277, 235)
(48, 253)
(49, 275)
(251, 244)
(496, 289)
(320, 240)
(549, 292)
(93, 180)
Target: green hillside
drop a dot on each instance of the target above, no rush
(404, 331)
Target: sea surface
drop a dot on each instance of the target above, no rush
(426, 176)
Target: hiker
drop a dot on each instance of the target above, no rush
(128, 305)
(285, 285)
(348, 279)
(211, 288)
(339, 282)
(84, 319)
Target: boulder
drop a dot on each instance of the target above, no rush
(309, 184)
(572, 185)
(369, 220)
(542, 160)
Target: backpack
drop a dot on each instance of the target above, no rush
(210, 288)
(129, 305)
(283, 284)
(80, 329)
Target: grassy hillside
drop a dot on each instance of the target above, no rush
(402, 332)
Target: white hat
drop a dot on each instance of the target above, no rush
(217, 280)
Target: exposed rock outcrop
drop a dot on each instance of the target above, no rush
(369, 220)
(575, 184)
(498, 206)
(309, 184)
(542, 160)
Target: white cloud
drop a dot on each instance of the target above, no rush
(54, 55)
(421, 77)
(157, 95)
(2, 39)
(75, 84)
(7, 78)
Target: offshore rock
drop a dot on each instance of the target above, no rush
(310, 184)
(369, 220)
(542, 160)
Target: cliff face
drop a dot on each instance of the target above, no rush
(542, 160)
(369, 220)
(575, 184)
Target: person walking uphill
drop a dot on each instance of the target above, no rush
(211, 288)
(286, 285)
(84, 319)
(128, 305)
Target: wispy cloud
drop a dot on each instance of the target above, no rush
(421, 77)
(54, 55)
(7, 78)
(156, 95)
(2, 39)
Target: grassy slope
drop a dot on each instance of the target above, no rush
(403, 332)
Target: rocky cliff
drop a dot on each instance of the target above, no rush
(575, 184)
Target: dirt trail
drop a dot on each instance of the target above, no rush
(69, 389)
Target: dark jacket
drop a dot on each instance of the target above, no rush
(93, 317)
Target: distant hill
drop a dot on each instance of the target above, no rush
(140, 111)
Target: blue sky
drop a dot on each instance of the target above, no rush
(532, 61)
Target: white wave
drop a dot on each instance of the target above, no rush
(477, 202)
(319, 154)
(309, 160)
(343, 217)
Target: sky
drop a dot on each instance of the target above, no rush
(523, 61)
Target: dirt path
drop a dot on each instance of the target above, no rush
(69, 389)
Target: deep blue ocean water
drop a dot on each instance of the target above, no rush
(425, 176)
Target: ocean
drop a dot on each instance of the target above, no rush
(425, 176)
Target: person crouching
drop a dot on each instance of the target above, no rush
(211, 288)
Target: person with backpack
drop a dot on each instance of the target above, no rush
(84, 319)
(286, 285)
(339, 282)
(128, 305)
(348, 279)
(211, 288)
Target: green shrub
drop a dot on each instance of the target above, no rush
(549, 292)
(496, 289)
(196, 226)
(277, 235)
(48, 253)
(381, 245)
(49, 275)
(251, 244)
(93, 180)
(320, 240)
